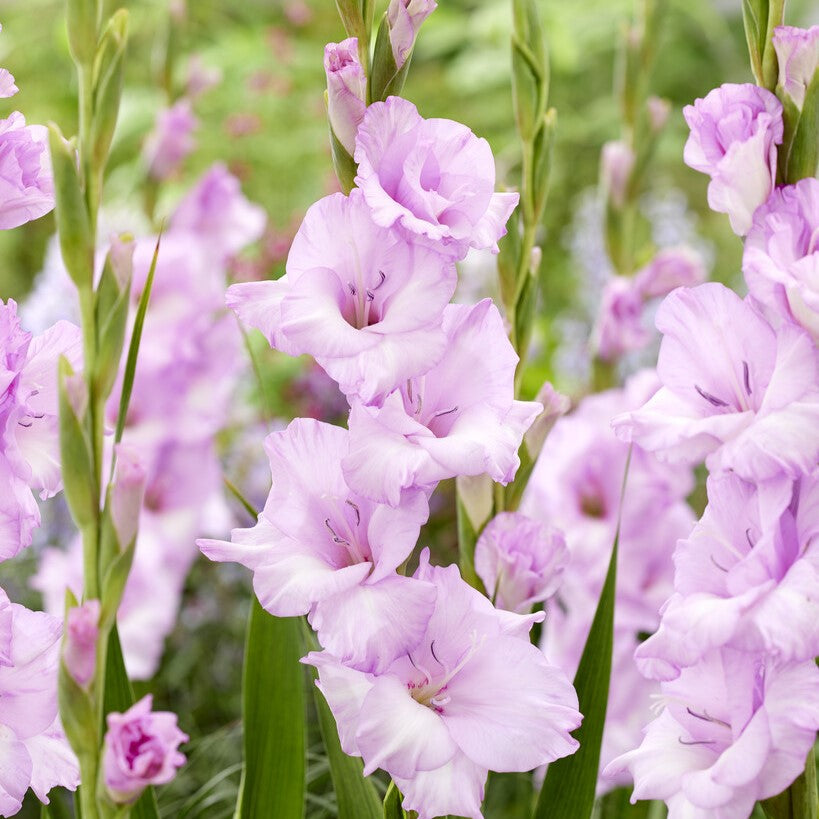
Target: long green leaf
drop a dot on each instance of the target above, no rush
(133, 347)
(392, 804)
(273, 781)
(356, 796)
(569, 788)
(119, 696)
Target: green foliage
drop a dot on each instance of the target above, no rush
(273, 717)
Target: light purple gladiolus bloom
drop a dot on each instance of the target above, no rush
(735, 729)
(520, 561)
(619, 328)
(734, 133)
(321, 549)
(797, 50)
(7, 86)
(34, 751)
(472, 696)
(171, 140)
(26, 183)
(346, 90)
(141, 749)
(460, 418)
(404, 18)
(358, 297)
(433, 178)
(746, 577)
(218, 215)
(670, 268)
(781, 257)
(80, 643)
(29, 440)
(735, 392)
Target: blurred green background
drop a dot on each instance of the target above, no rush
(266, 121)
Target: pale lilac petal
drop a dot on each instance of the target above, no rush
(400, 735)
(53, 763)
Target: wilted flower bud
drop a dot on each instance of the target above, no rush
(127, 491)
(797, 50)
(616, 162)
(404, 18)
(520, 560)
(346, 90)
(141, 749)
(80, 641)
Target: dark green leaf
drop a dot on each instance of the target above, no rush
(803, 151)
(356, 796)
(569, 788)
(800, 800)
(273, 782)
(392, 803)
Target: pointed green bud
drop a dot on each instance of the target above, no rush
(356, 17)
(72, 215)
(800, 149)
(82, 22)
(760, 18)
(530, 68)
(79, 481)
(343, 164)
(542, 165)
(113, 300)
(108, 73)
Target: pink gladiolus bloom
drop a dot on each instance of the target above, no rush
(171, 140)
(404, 18)
(217, 213)
(29, 445)
(472, 696)
(361, 300)
(141, 749)
(433, 178)
(346, 90)
(734, 391)
(619, 328)
(746, 577)
(321, 549)
(80, 644)
(781, 258)
(672, 267)
(735, 729)
(520, 561)
(734, 133)
(26, 184)
(7, 86)
(33, 749)
(460, 418)
(797, 50)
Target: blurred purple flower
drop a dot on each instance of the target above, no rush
(616, 163)
(171, 140)
(619, 328)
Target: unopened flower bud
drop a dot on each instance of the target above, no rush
(616, 163)
(520, 560)
(76, 390)
(404, 18)
(797, 50)
(127, 492)
(346, 90)
(658, 111)
(80, 641)
(555, 405)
